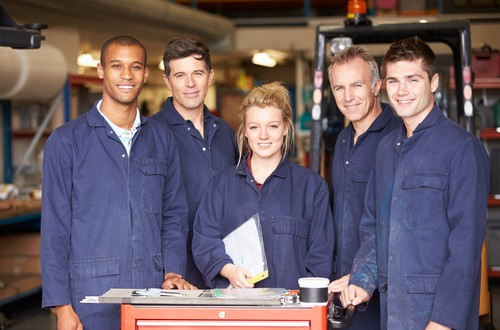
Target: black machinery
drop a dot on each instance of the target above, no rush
(338, 317)
(16, 36)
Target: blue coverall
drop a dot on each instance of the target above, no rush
(423, 227)
(295, 217)
(109, 220)
(350, 171)
(201, 159)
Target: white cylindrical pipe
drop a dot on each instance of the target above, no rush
(31, 74)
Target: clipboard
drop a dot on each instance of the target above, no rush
(245, 247)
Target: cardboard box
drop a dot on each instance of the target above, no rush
(486, 64)
(19, 265)
(20, 254)
(15, 286)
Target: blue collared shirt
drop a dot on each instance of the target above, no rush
(201, 158)
(109, 220)
(423, 226)
(124, 135)
(350, 171)
(351, 167)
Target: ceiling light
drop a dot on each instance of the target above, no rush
(87, 60)
(161, 66)
(340, 43)
(263, 59)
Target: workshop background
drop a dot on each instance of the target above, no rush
(41, 89)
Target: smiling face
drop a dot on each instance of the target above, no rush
(410, 91)
(188, 80)
(351, 85)
(123, 74)
(265, 131)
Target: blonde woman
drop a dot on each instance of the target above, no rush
(292, 202)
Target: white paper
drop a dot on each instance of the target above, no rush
(246, 248)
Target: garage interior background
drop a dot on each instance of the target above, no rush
(61, 76)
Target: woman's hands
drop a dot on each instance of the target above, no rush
(237, 276)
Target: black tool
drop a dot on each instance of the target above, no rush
(338, 317)
(16, 36)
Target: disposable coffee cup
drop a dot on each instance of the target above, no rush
(313, 291)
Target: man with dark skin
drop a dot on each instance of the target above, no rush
(112, 214)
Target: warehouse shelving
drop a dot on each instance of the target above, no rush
(490, 133)
(20, 251)
(20, 262)
(481, 83)
(490, 137)
(492, 201)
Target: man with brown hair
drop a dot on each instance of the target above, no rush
(425, 210)
(206, 143)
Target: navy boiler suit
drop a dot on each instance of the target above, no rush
(295, 217)
(201, 159)
(423, 226)
(109, 220)
(350, 171)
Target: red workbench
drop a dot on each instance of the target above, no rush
(155, 317)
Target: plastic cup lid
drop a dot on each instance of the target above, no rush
(313, 282)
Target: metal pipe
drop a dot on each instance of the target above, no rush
(7, 142)
(39, 132)
(146, 19)
(317, 112)
(67, 101)
(466, 62)
(307, 8)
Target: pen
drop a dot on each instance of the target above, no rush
(172, 293)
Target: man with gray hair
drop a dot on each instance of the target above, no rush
(355, 82)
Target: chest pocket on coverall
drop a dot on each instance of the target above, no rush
(290, 238)
(424, 199)
(154, 172)
(360, 179)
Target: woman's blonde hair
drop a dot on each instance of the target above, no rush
(271, 94)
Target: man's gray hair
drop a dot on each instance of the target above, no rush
(352, 52)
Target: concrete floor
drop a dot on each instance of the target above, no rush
(27, 314)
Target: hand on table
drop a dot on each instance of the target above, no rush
(175, 281)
